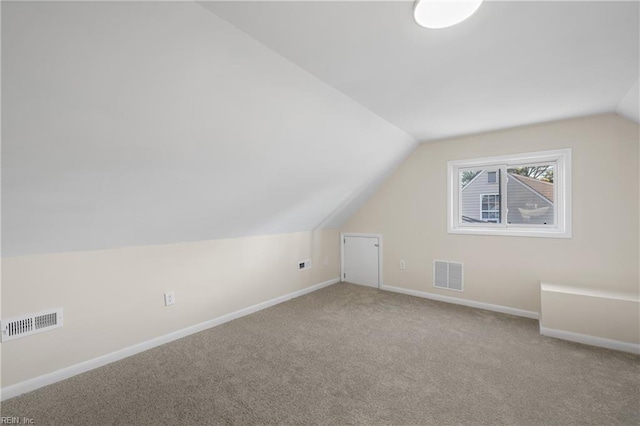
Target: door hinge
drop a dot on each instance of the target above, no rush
(345, 275)
(344, 241)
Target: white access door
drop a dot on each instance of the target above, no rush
(360, 260)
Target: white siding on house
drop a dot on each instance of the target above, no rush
(520, 196)
(471, 194)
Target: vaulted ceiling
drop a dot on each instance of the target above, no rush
(140, 123)
(136, 123)
(512, 63)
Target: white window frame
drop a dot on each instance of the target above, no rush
(489, 211)
(560, 158)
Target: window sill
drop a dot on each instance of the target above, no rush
(514, 232)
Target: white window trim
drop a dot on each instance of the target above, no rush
(562, 197)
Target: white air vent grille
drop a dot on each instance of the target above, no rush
(31, 324)
(447, 275)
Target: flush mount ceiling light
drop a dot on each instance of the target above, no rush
(443, 13)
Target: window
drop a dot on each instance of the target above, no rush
(490, 208)
(520, 195)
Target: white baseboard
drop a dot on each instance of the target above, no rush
(602, 342)
(586, 339)
(73, 370)
(465, 302)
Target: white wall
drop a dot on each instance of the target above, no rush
(151, 146)
(594, 316)
(629, 106)
(136, 123)
(409, 210)
(113, 299)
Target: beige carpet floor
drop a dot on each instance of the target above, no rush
(353, 355)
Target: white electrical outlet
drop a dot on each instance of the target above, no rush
(326, 261)
(169, 298)
(403, 264)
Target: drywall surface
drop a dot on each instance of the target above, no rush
(410, 211)
(141, 123)
(613, 316)
(113, 299)
(629, 106)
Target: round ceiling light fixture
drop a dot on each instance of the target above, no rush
(438, 14)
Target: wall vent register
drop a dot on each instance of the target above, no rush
(27, 325)
(448, 275)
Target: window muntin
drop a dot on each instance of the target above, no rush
(526, 194)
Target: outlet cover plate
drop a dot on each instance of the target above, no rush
(169, 298)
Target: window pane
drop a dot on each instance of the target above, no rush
(466, 176)
(479, 197)
(490, 209)
(530, 194)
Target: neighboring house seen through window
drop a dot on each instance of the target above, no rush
(526, 195)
